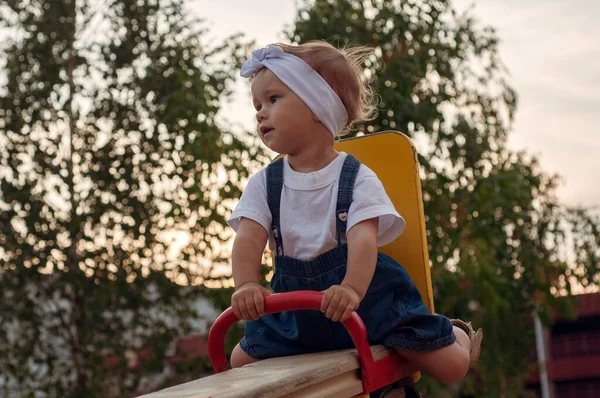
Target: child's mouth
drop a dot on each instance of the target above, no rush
(265, 130)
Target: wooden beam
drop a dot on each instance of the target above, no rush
(326, 374)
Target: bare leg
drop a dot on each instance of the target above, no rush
(239, 358)
(449, 364)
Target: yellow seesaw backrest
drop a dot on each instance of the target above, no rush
(393, 157)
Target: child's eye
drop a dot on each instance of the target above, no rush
(273, 98)
(258, 107)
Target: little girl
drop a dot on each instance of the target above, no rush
(324, 215)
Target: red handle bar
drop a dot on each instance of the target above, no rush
(300, 300)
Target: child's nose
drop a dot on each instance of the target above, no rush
(261, 115)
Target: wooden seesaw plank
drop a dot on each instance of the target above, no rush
(326, 374)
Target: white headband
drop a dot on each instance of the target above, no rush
(304, 81)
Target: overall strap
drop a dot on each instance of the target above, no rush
(344, 200)
(274, 188)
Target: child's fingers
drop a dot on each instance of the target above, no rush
(251, 308)
(242, 311)
(347, 312)
(236, 310)
(340, 308)
(259, 303)
(326, 300)
(333, 304)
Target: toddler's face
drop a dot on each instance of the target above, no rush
(284, 121)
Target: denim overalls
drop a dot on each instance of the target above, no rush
(392, 308)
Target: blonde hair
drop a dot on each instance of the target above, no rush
(342, 70)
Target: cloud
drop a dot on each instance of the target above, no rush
(551, 48)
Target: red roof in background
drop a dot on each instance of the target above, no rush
(589, 304)
(574, 355)
(586, 305)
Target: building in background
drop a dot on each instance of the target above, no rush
(573, 353)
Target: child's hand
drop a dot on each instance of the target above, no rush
(339, 301)
(248, 301)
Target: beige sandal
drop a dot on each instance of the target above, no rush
(474, 337)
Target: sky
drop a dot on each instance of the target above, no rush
(550, 47)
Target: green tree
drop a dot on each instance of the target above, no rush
(108, 149)
(498, 238)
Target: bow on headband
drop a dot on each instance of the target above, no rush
(255, 63)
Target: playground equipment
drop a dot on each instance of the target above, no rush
(346, 373)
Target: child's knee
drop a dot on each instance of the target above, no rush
(239, 358)
(457, 370)
(461, 338)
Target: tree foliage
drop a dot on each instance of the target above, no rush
(501, 246)
(109, 150)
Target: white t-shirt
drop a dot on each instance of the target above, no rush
(308, 208)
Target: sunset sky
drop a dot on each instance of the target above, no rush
(551, 48)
